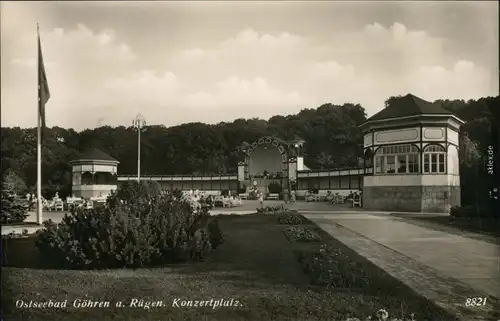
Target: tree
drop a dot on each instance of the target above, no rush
(324, 160)
(14, 209)
(14, 182)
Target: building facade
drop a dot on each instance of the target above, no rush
(411, 163)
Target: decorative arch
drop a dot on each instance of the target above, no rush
(281, 146)
(434, 159)
(433, 147)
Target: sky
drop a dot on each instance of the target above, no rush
(178, 62)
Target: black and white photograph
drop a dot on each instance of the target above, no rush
(250, 160)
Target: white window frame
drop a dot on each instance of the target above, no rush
(436, 151)
(396, 151)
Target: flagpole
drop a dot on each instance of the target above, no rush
(39, 146)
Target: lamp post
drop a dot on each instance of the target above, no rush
(139, 122)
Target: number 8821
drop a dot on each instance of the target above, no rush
(475, 302)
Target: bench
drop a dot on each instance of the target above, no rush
(218, 201)
(273, 197)
(243, 196)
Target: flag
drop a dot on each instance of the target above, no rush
(43, 86)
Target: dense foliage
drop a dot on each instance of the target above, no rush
(14, 208)
(331, 132)
(193, 148)
(140, 227)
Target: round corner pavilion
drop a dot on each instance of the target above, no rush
(410, 164)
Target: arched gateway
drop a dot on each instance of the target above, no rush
(270, 160)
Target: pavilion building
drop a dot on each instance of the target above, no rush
(413, 148)
(94, 174)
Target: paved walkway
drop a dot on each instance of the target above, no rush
(445, 268)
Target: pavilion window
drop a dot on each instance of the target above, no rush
(413, 163)
(402, 164)
(379, 164)
(434, 160)
(391, 164)
(397, 159)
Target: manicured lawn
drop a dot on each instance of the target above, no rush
(256, 266)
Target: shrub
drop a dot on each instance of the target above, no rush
(177, 193)
(459, 212)
(14, 209)
(301, 234)
(486, 210)
(148, 229)
(216, 236)
(275, 188)
(290, 218)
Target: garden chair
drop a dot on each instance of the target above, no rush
(218, 201)
(58, 205)
(237, 201)
(88, 205)
(356, 201)
(226, 202)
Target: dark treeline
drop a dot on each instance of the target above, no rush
(333, 140)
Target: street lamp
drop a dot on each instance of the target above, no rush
(139, 122)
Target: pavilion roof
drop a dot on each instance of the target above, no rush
(409, 105)
(96, 154)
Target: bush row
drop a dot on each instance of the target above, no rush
(139, 227)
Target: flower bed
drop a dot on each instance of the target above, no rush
(301, 234)
(271, 209)
(330, 267)
(290, 218)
